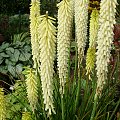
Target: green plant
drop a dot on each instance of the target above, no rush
(13, 56)
(17, 101)
(18, 23)
(71, 94)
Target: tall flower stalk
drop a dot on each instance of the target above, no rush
(104, 41)
(47, 46)
(81, 18)
(90, 59)
(65, 20)
(31, 86)
(2, 105)
(34, 22)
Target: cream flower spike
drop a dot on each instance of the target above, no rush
(2, 105)
(65, 21)
(90, 59)
(81, 18)
(47, 46)
(26, 116)
(31, 86)
(105, 39)
(34, 22)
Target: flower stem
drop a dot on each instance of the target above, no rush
(78, 89)
(62, 106)
(94, 107)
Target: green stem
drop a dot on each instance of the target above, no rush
(62, 106)
(113, 113)
(76, 61)
(94, 107)
(78, 90)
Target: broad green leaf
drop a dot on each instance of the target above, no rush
(27, 48)
(1, 57)
(15, 56)
(4, 55)
(4, 46)
(19, 68)
(24, 56)
(10, 49)
(11, 69)
(1, 60)
(9, 62)
(3, 69)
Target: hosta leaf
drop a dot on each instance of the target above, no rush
(4, 46)
(8, 62)
(15, 56)
(24, 56)
(19, 68)
(11, 69)
(1, 60)
(4, 55)
(3, 69)
(9, 50)
(1, 57)
(27, 48)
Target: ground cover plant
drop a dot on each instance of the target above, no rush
(68, 81)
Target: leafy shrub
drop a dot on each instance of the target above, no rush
(14, 56)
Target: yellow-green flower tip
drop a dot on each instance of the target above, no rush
(2, 105)
(90, 59)
(94, 26)
(26, 116)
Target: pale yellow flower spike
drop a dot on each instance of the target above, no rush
(81, 18)
(65, 20)
(31, 86)
(90, 59)
(26, 116)
(34, 22)
(2, 105)
(105, 39)
(47, 46)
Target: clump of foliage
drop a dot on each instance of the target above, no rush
(13, 56)
(18, 23)
(16, 101)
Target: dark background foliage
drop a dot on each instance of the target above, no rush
(11, 7)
